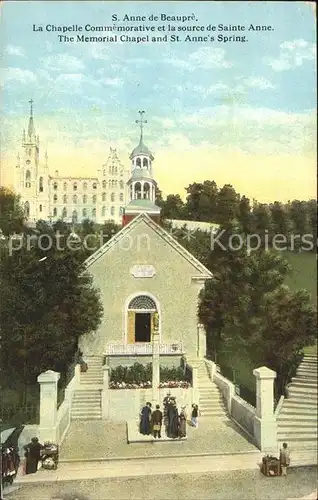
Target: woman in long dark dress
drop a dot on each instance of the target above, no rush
(32, 455)
(145, 426)
(182, 423)
(174, 422)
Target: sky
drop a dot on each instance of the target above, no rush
(242, 113)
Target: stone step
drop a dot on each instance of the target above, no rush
(211, 407)
(291, 426)
(299, 401)
(87, 414)
(297, 413)
(86, 395)
(89, 380)
(312, 367)
(305, 376)
(303, 382)
(86, 404)
(303, 393)
(290, 417)
(297, 435)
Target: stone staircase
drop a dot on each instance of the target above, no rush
(87, 403)
(297, 420)
(211, 403)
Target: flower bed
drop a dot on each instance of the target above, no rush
(139, 376)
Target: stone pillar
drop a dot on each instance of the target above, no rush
(155, 366)
(265, 425)
(201, 341)
(105, 392)
(48, 405)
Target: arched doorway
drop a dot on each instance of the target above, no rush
(140, 311)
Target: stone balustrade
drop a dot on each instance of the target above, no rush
(144, 348)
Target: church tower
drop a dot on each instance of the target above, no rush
(141, 185)
(31, 177)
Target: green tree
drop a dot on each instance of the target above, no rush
(228, 205)
(49, 302)
(12, 218)
(172, 207)
(245, 215)
(201, 202)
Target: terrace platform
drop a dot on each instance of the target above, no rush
(134, 436)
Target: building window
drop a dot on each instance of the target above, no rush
(75, 186)
(74, 216)
(137, 190)
(121, 197)
(64, 213)
(104, 197)
(85, 186)
(145, 163)
(103, 211)
(65, 199)
(40, 208)
(84, 212)
(28, 179)
(84, 198)
(94, 212)
(112, 210)
(55, 186)
(55, 198)
(94, 185)
(75, 199)
(112, 197)
(104, 184)
(138, 162)
(104, 172)
(110, 170)
(54, 212)
(41, 184)
(109, 184)
(65, 186)
(121, 184)
(94, 198)
(27, 208)
(146, 190)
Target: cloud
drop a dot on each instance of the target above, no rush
(114, 82)
(203, 58)
(14, 50)
(99, 52)
(292, 55)
(258, 83)
(63, 62)
(17, 74)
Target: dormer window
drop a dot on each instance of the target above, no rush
(75, 186)
(94, 185)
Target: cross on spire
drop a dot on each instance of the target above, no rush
(31, 107)
(141, 123)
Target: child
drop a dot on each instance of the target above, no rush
(194, 415)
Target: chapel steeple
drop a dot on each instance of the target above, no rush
(141, 185)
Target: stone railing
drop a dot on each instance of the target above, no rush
(143, 348)
(54, 422)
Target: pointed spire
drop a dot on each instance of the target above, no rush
(31, 130)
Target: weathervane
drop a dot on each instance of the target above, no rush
(141, 122)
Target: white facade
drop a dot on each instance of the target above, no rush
(72, 199)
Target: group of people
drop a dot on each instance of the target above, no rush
(175, 422)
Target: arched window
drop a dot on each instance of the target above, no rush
(64, 213)
(84, 212)
(121, 184)
(110, 170)
(112, 210)
(146, 190)
(142, 302)
(75, 199)
(65, 186)
(28, 179)
(112, 197)
(94, 212)
(104, 197)
(85, 186)
(40, 208)
(104, 184)
(94, 185)
(94, 198)
(74, 216)
(121, 197)
(145, 162)
(104, 172)
(55, 198)
(103, 211)
(41, 184)
(137, 190)
(75, 186)
(27, 209)
(138, 162)
(65, 199)
(55, 186)
(54, 212)
(84, 198)
(109, 184)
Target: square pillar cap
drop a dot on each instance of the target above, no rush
(48, 377)
(264, 373)
(105, 367)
